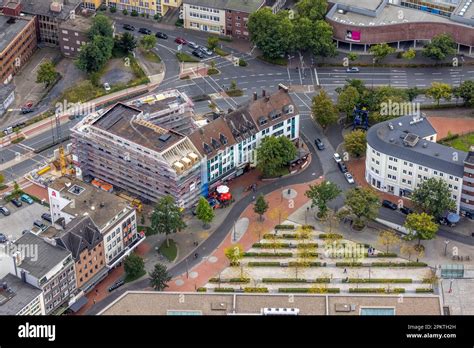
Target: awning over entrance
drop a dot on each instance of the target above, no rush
(76, 306)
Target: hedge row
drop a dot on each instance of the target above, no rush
(284, 227)
(263, 264)
(330, 235)
(377, 280)
(224, 289)
(231, 280)
(383, 255)
(309, 290)
(311, 264)
(255, 289)
(284, 280)
(282, 236)
(201, 290)
(423, 290)
(251, 254)
(284, 245)
(381, 264)
(377, 290)
(349, 264)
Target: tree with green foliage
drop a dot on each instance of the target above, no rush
(352, 56)
(321, 195)
(314, 10)
(466, 92)
(126, 42)
(101, 26)
(323, 110)
(355, 142)
(204, 211)
(261, 206)
(380, 51)
(433, 197)
(47, 73)
(440, 47)
(166, 218)
(134, 266)
(95, 54)
(322, 40)
(159, 277)
(212, 42)
(273, 154)
(2, 178)
(438, 91)
(362, 202)
(409, 54)
(412, 93)
(16, 188)
(234, 254)
(148, 42)
(348, 100)
(421, 227)
(387, 239)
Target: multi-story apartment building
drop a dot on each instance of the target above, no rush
(71, 200)
(403, 152)
(228, 144)
(7, 96)
(86, 244)
(20, 298)
(467, 193)
(150, 7)
(92, 4)
(18, 42)
(73, 34)
(44, 265)
(122, 148)
(225, 17)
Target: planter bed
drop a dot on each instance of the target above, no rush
(326, 235)
(231, 280)
(284, 227)
(423, 290)
(309, 290)
(282, 236)
(311, 264)
(249, 289)
(251, 254)
(377, 290)
(264, 264)
(224, 290)
(378, 280)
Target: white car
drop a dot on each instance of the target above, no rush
(337, 158)
(193, 45)
(106, 86)
(352, 70)
(349, 177)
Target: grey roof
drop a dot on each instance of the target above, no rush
(42, 7)
(80, 235)
(21, 295)
(8, 31)
(247, 6)
(48, 255)
(5, 91)
(426, 153)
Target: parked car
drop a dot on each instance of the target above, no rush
(47, 217)
(352, 70)
(390, 205)
(193, 45)
(4, 210)
(349, 177)
(198, 54)
(144, 31)
(161, 35)
(3, 238)
(406, 210)
(180, 40)
(342, 167)
(206, 50)
(26, 110)
(116, 285)
(337, 158)
(39, 224)
(319, 144)
(28, 104)
(16, 202)
(106, 86)
(128, 27)
(27, 199)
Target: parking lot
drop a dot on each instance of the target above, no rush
(20, 219)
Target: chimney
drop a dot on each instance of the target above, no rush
(264, 93)
(5, 286)
(255, 96)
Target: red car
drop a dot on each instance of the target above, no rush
(28, 105)
(180, 40)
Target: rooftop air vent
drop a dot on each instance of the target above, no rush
(425, 145)
(411, 139)
(164, 137)
(390, 125)
(392, 140)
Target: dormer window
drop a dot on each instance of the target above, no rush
(223, 139)
(288, 109)
(274, 115)
(262, 120)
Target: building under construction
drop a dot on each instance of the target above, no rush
(123, 148)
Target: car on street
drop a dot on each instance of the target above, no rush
(39, 224)
(106, 86)
(3, 238)
(128, 27)
(206, 50)
(180, 40)
(28, 104)
(390, 205)
(116, 285)
(4, 210)
(349, 177)
(406, 210)
(198, 54)
(352, 70)
(47, 217)
(161, 35)
(144, 31)
(319, 144)
(16, 202)
(27, 199)
(337, 158)
(26, 110)
(342, 167)
(193, 45)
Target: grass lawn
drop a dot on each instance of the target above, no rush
(235, 93)
(129, 279)
(151, 56)
(169, 252)
(212, 71)
(186, 58)
(462, 143)
(220, 52)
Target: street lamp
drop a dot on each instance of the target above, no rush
(451, 285)
(187, 269)
(234, 238)
(373, 71)
(306, 216)
(446, 242)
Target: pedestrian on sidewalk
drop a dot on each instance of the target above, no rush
(94, 301)
(345, 270)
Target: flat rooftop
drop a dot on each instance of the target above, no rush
(121, 120)
(10, 29)
(42, 7)
(18, 295)
(365, 4)
(156, 103)
(80, 23)
(248, 6)
(388, 138)
(99, 205)
(170, 303)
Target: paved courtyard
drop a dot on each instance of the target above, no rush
(21, 219)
